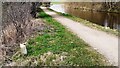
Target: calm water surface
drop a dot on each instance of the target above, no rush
(105, 19)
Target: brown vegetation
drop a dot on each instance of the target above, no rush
(96, 6)
(17, 26)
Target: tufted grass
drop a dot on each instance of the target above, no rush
(57, 39)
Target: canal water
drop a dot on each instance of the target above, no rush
(105, 19)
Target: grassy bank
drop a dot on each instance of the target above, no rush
(89, 24)
(58, 46)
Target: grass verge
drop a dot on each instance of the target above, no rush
(57, 42)
(89, 24)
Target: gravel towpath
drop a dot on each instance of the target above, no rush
(104, 43)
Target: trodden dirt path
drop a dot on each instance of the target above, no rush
(101, 41)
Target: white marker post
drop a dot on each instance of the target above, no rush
(23, 49)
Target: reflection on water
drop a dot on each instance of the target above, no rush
(58, 8)
(102, 18)
(105, 24)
